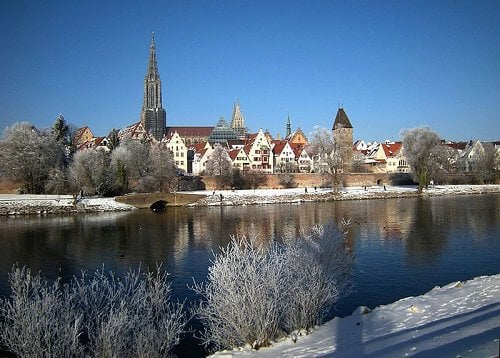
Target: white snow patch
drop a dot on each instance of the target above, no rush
(457, 320)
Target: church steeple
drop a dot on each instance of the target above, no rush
(288, 128)
(153, 115)
(238, 121)
(152, 82)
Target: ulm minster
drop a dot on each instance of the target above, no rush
(192, 145)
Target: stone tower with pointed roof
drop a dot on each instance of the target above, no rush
(342, 133)
(238, 121)
(153, 116)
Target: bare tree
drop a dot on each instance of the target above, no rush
(130, 164)
(487, 163)
(161, 175)
(327, 152)
(420, 147)
(89, 172)
(27, 155)
(220, 166)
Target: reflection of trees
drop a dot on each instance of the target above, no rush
(428, 236)
(63, 245)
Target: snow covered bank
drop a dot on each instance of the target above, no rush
(457, 320)
(50, 204)
(11, 204)
(297, 195)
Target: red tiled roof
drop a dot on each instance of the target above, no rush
(279, 145)
(233, 153)
(391, 149)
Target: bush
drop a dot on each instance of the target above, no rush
(255, 294)
(38, 320)
(103, 316)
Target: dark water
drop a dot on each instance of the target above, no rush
(403, 247)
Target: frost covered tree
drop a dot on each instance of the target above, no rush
(486, 164)
(327, 152)
(89, 172)
(255, 294)
(220, 166)
(161, 174)
(27, 155)
(421, 145)
(130, 163)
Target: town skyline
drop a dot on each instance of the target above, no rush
(391, 66)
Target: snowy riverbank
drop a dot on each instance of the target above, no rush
(297, 195)
(461, 319)
(11, 204)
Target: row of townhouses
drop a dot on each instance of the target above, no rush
(259, 151)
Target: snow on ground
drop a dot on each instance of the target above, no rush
(13, 204)
(294, 195)
(457, 320)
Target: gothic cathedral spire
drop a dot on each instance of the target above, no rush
(238, 121)
(153, 116)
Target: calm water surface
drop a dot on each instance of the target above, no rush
(403, 247)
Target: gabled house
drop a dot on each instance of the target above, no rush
(389, 157)
(82, 135)
(175, 143)
(297, 138)
(98, 143)
(303, 159)
(200, 153)
(258, 149)
(284, 157)
(135, 131)
(468, 159)
(239, 158)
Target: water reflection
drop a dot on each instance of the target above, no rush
(387, 235)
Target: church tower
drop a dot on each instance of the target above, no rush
(238, 121)
(342, 133)
(153, 116)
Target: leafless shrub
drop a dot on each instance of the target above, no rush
(255, 294)
(133, 314)
(103, 316)
(38, 319)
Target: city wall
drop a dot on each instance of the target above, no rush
(303, 180)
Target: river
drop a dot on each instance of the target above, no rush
(403, 247)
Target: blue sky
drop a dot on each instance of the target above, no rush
(392, 64)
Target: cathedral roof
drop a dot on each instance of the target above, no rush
(341, 120)
(191, 131)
